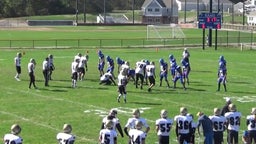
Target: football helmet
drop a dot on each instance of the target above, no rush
(109, 124)
(19, 54)
(67, 128)
(221, 58)
(170, 56)
(152, 63)
(138, 124)
(136, 113)
(15, 129)
(127, 63)
(216, 111)
(50, 56)
(164, 113)
(118, 59)
(108, 58)
(113, 112)
(232, 107)
(161, 60)
(183, 111)
(253, 111)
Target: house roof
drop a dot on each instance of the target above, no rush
(205, 1)
(163, 3)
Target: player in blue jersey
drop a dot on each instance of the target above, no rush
(119, 63)
(111, 65)
(163, 72)
(178, 76)
(185, 70)
(173, 65)
(101, 62)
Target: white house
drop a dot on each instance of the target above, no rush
(251, 18)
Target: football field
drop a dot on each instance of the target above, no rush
(42, 112)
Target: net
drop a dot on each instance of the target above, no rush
(164, 31)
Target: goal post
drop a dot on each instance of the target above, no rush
(164, 31)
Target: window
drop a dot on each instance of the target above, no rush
(149, 9)
(157, 10)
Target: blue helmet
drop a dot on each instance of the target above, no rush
(221, 58)
(161, 61)
(117, 59)
(170, 56)
(108, 58)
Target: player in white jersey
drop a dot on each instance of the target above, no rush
(51, 65)
(163, 127)
(31, 69)
(82, 67)
(150, 71)
(74, 67)
(233, 121)
(112, 115)
(122, 82)
(13, 137)
(131, 122)
(17, 62)
(183, 126)
(219, 123)
(139, 73)
(66, 137)
(137, 136)
(251, 125)
(108, 135)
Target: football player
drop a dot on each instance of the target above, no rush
(150, 72)
(111, 65)
(119, 63)
(194, 126)
(101, 62)
(107, 79)
(122, 82)
(46, 71)
(17, 62)
(82, 67)
(185, 70)
(131, 123)
(219, 124)
(178, 76)
(66, 137)
(233, 122)
(112, 115)
(251, 123)
(108, 135)
(130, 72)
(206, 124)
(163, 127)
(183, 126)
(137, 136)
(163, 72)
(51, 65)
(74, 67)
(139, 73)
(31, 69)
(13, 137)
(173, 65)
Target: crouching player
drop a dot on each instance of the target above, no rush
(178, 76)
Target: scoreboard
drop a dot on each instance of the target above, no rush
(209, 21)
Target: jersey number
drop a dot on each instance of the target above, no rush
(165, 127)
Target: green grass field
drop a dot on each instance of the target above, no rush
(42, 112)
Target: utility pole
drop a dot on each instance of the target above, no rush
(84, 12)
(210, 30)
(133, 3)
(185, 12)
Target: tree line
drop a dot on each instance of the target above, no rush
(20, 8)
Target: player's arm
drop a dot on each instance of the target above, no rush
(176, 129)
(119, 128)
(157, 128)
(111, 78)
(102, 125)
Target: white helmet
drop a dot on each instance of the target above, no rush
(232, 107)
(164, 113)
(67, 128)
(109, 124)
(216, 111)
(253, 111)
(136, 113)
(15, 129)
(138, 124)
(183, 111)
